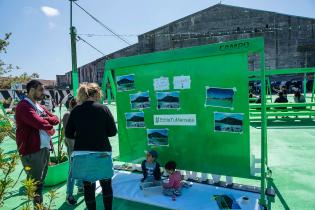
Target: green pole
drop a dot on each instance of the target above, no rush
(304, 85)
(313, 89)
(75, 78)
(104, 83)
(262, 200)
(112, 84)
(108, 76)
(109, 97)
(269, 89)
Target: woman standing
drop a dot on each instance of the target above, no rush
(90, 124)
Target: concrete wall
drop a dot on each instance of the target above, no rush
(289, 40)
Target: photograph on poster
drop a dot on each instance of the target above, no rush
(125, 82)
(140, 100)
(228, 122)
(168, 100)
(135, 120)
(157, 137)
(219, 97)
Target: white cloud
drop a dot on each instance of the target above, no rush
(49, 11)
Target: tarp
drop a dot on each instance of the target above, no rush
(198, 197)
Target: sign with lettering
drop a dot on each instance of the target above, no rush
(234, 46)
(177, 119)
(181, 82)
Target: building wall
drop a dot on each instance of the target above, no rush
(61, 80)
(289, 40)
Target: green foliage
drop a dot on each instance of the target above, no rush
(5, 68)
(30, 192)
(8, 162)
(6, 128)
(5, 82)
(60, 155)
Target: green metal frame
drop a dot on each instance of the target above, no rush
(254, 75)
(75, 77)
(108, 84)
(304, 71)
(257, 44)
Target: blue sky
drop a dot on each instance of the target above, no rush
(161, 95)
(129, 77)
(41, 43)
(221, 115)
(162, 131)
(136, 95)
(131, 114)
(220, 93)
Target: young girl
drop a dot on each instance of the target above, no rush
(174, 185)
(70, 145)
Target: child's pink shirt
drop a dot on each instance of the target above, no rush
(174, 181)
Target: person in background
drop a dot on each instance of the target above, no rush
(281, 99)
(48, 103)
(70, 146)
(90, 124)
(56, 98)
(298, 98)
(34, 128)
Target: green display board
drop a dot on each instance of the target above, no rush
(190, 104)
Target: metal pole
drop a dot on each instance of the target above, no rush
(262, 200)
(75, 78)
(304, 85)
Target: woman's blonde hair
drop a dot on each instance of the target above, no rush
(89, 90)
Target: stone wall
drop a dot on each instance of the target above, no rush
(289, 40)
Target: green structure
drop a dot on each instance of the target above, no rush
(191, 105)
(74, 75)
(291, 109)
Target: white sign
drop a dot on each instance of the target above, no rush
(177, 119)
(181, 82)
(161, 83)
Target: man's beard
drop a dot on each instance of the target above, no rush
(38, 98)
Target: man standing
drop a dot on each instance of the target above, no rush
(57, 98)
(34, 126)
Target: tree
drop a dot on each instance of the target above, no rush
(35, 76)
(5, 82)
(5, 68)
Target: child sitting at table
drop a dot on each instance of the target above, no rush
(172, 186)
(150, 170)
